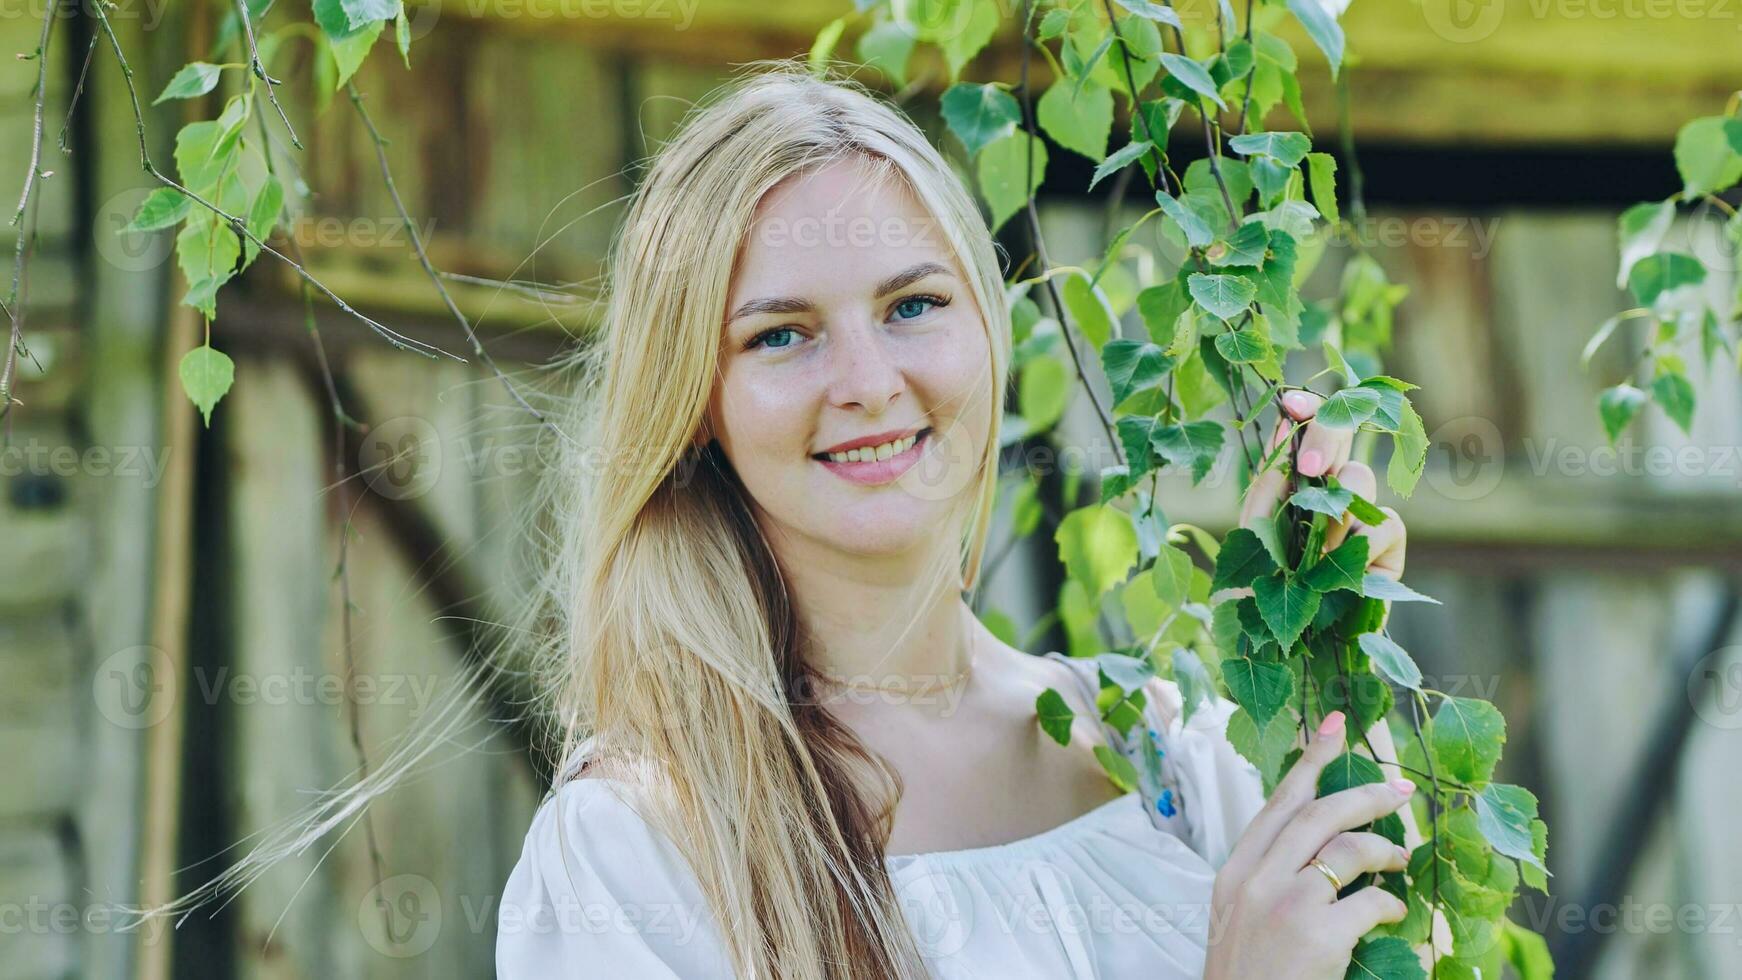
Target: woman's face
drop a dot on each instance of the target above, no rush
(855, 370)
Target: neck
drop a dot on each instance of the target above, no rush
(877, 622)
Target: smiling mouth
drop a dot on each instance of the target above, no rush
(876, 464)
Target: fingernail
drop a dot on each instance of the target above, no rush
(1403, 786)
(1332, 724)
(1296, 402)
(1312, 463)
(1403, 853)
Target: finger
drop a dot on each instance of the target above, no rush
(1323, 449)
(1322, 819)
(1356, 915)
(1386, 544)
(1356, 477)
(1263, 496)
(1350, 855)
(1265, 491)
(1296, 790)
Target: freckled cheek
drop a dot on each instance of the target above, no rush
(768, 416)
(952, 369)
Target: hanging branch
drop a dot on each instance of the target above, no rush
(239, 226)
(20, 252)
(1033, 216)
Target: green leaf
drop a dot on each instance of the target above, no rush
(1391, 661)
(1675, 393)
(1287, 605)
(1245, 247)
(1619, 406)
(1195, 686)
(1223, 296)
(1132, 366)
(1193, 444)
(1322, 28)
(1172, 575)
(1080, 122)
(1288, 149)
(162, 208)
(206, 374)
(1098, 546)
(1322, 180)
(1348, 408)
(1386, 957)
(1152, 11)
(1002, 166)
(350, 50)
(980, 114)
(1120, 160)
(1527, 952)
(1467, 738)
(194, 80)
(1197, 231)
(964, 41)
(887, 46)
(1042, 392)
(1377, 586)
(1365, 511)
(1267, 747)
(1242, 346)
(1118, 768)
(1242, 559)
(1054, 715)
(262, 216)
(1129, 674)
(1408, 453)
(402, 36)
(1259, 687)
(1504, 814)
(1661, 272)
(1323, 500)
(1193, 76)
(1639, 232)
(1704, 157)
(1343, 568)
(1089, 309)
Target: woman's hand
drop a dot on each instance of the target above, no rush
(1275, 914)
(1323, 452)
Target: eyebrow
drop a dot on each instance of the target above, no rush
(790, 304)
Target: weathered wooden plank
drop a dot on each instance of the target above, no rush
(46, 915)
(43, 698)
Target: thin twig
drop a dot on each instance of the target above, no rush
(260, 70)
(78, 90)
(417, 246)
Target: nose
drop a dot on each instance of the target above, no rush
(864, 372)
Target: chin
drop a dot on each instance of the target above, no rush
(882, 528)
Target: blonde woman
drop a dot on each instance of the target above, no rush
(789, 748)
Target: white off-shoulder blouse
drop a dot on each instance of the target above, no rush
(1122, 891)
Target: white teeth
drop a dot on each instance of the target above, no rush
(867, 453)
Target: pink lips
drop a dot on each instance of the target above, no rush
(878, 471)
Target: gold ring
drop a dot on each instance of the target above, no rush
(1325, 869)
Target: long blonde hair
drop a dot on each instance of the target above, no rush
(667, 646)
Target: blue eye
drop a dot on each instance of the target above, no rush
(913, 306)
(765, 338)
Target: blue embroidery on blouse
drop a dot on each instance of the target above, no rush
(1165, 804)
